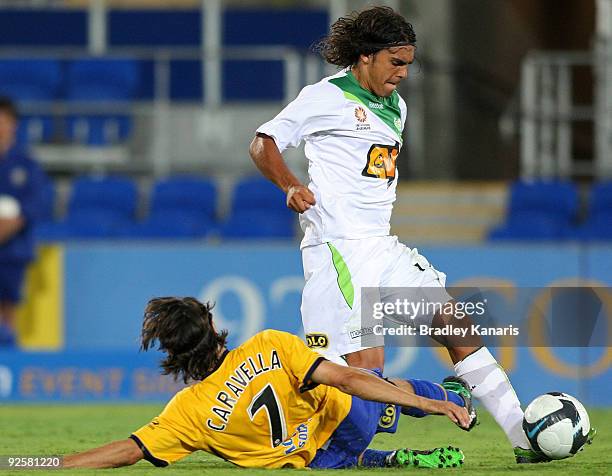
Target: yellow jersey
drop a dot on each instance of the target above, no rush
(259, 408)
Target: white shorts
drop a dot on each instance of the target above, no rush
(336, 271)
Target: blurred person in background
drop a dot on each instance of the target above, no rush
(21, 194)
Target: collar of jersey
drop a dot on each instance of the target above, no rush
(217, 365)
(390, 113)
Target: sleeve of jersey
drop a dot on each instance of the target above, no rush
(317, 108)
(297, 358)
(159, 444)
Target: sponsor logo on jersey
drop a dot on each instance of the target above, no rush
(381, 162)
(364, 331)
(387, 419)
(317, 341)
(397, 123)
(18, 176)
(375, 105)
(298, 439)
(360, 114)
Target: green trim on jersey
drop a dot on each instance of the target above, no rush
(387, 109)
(345, 282)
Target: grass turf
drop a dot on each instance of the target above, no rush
(48, 430)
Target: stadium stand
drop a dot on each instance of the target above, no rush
(105, 79)
(30, 79)
(258, 211)
(100, 207)
(112, 80)
(539, 210)
(180, 207)
(35, 129)
(98, 130)
(598, 225)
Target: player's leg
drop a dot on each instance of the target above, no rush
(348, 446)
(452, 389)
(331, 301)
(8, 311)
(472, 361)
(487, 380)
(448, 457)
(351, 438)
(11, 279)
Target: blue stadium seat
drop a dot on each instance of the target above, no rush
(112, 80)
(98, 130)
(539, 210)
(47, 228)
(531, 226)
(181, 207)
(102, 80)
(100, 207)
(34, 130)
(599, 222)
(259, 210)
(30, 79)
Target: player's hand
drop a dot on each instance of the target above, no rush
(300, 198)
(458, 415)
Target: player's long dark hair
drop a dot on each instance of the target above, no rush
(364, 33)
(183, 329)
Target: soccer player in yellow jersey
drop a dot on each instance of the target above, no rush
(271, 402)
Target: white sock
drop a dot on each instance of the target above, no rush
(490, 384)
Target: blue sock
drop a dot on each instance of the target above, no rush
(374, 458)
(427, 389)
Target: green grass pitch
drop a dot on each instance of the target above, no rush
(48, 430)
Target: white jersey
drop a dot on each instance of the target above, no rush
(352, 140)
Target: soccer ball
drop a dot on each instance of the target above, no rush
(556, 425)
(9, 207)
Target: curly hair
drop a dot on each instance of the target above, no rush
(8, 106)
(183, 329)
(364, 33)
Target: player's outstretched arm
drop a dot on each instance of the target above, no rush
(113, 455)
(270, 162)
(367, 386)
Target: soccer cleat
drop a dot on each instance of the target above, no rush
(448, 457)
(461, 388)
(530, 456)
(524, 456)
(591, 436)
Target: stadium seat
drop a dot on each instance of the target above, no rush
(34, 130)
(30, 79)
(100, 207)
(98, 130)
(111, 80)
(599, 221)
(181, 207)
(102, 80)
(47, 228)
(259, 210)
(539, 210)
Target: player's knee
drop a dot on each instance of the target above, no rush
(132, 455)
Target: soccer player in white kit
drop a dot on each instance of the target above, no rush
(352, 125)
